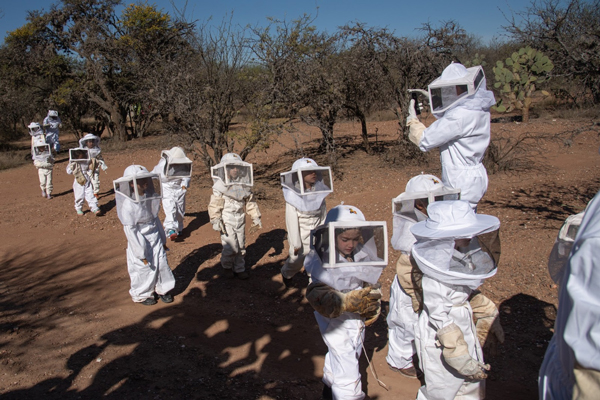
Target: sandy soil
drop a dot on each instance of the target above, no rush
(68, 328)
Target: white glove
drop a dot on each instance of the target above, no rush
(411, 111)
(218, 225)
(456, 353)
(103, 165)
(257, 222)
(423, 92)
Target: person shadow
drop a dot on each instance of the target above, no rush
(200, 218)
(527, 324)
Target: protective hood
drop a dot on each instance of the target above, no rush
(79, 154)
(306, 185)
(89, 137)
(460, 86)
(177, 165)
(410, 207)
(233, 177)
(35, 129)
(40, 150)
(137, 194)
(347, 250)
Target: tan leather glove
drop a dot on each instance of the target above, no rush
(415, 131)
(456, 353)
(489, 330)
(371, 315)
(332, 303)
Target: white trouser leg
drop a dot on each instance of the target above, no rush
(95, 179)
(79, 193)
(234, 251)
(343, 336)
(146, 279)
(401, 322)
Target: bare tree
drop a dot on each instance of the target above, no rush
(208, 89)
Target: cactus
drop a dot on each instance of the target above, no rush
(517, 78)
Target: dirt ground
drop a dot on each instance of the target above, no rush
(69, 330)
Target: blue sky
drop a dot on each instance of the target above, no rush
(482, 18)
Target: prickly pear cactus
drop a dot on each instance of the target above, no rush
(517, 78)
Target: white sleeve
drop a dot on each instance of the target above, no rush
(442, 131)
(292, 226)
(136, 241)
(186, 182)
(159, 168)
(436, 299)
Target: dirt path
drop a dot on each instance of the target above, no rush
(69, 329)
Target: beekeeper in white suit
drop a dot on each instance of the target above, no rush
(175, 171)
(346, 259)
(44, 162)
(138, 195)
(456, 250)
(232, 197)
(305, 188)
(52, 124)
(92, 143)
(460, 102)
(409, 208)
(79, 162)
(571, 366)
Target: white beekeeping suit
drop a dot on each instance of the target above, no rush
(92, 143)
(346, 259)
(138, 195)
(460, 102)
(79, 161)
(409, 208)
(571, 367)
(175, 171)
(44, 162)
(231, 199)
(52, 124)
(456, 250)
(304, 189)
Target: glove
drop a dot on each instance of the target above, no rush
(256, 225)
(361, 301)
(421, 91)
(456, 353)
(412, 115)
(371, 315)
(415, 130)
(219, 226)
(489, 330)
(103, 166)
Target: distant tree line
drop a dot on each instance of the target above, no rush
(124, 72)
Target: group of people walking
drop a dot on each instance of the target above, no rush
(447, 249)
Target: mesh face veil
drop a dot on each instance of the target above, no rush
(79, 154)
(233, 171)
(456, 83)
(347, 250)
(40, 150)
(177, 165)
(456, 246)
(34, 129)
(138, 194)
(306, 177)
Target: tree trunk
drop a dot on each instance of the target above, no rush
(365, 133)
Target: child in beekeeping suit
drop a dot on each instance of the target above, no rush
(52, 124)
(79, 161)
(35, 130)
(456, 250)
(44, 162)
(138, 195)
(231, 199)
(175, 171)
(92, 143)
(304, 189)
(346, 259)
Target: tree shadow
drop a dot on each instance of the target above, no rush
(527, 324)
